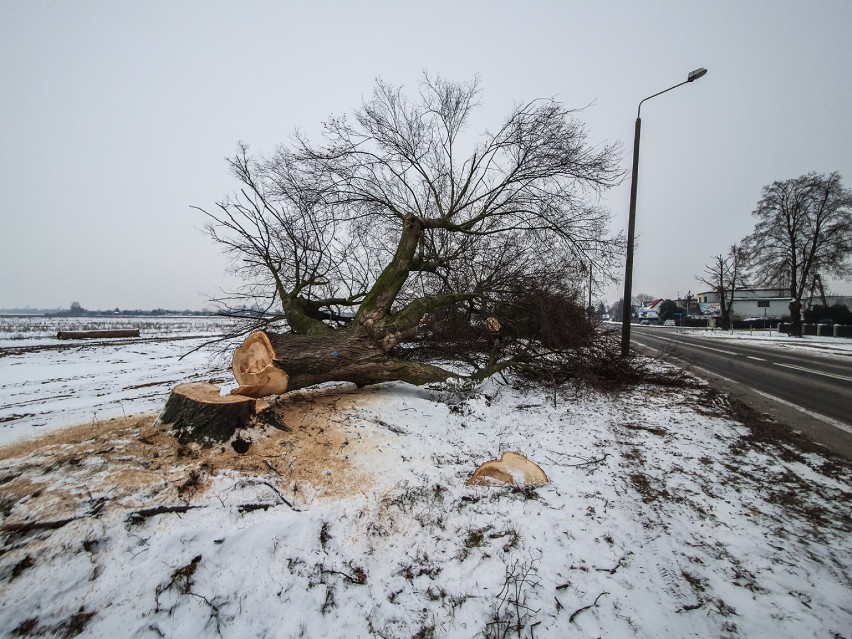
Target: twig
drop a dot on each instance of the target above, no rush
(585, 462)
(214, 610)
(28, 526)
(272, 468)
(247, 508)
(159, 510)
(614, 568)
(283, 499)
(360, 578)
(579, 610)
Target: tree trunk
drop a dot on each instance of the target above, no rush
(199, 413)
(795, 318)
(131, 332)
(272, 363)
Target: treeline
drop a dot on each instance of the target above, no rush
(157, 312)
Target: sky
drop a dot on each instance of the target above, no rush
(116, 118)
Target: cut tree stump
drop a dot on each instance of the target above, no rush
(130, 332)
(199, 413)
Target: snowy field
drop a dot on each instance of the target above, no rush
(46, 383)
(664, 516)
(22, 331)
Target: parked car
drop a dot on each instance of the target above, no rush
(669, 323)
(645, 323)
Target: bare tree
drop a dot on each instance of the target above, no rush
(616, 310)
(804, 225)
(399, 214)
(723, 275)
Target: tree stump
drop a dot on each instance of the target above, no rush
(199, 413)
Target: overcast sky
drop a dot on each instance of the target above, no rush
(115, 117)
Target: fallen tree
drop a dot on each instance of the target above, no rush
(357, 249)
(273, 363)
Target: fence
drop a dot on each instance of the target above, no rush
(825, 330)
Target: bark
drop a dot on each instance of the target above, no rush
(377, 304)
(134, 332)
(272, 363)
(795, 318)
(199, 413)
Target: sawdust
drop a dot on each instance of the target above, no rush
(131, 460)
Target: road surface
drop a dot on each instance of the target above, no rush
(818, 388)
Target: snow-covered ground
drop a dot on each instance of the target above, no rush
(46, 383)
(663, 517)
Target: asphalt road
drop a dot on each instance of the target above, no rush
(817, 388)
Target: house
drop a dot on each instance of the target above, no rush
(649, 310)
(771, 303)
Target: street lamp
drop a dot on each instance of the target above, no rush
(627, 308)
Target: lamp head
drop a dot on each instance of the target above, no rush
(694, 75)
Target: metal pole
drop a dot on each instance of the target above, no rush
(627, 310)
(627, 314)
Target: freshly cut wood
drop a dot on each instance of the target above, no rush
(272, 363)
(129, 332)
(512, 468)
(199, 413)
(255, 369)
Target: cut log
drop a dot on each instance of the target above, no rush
(130, 332)
(272, 363)
(512, 468)
(199, 413)
(255, 370)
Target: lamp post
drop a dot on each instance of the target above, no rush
(627, 309)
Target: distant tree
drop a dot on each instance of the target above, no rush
(616, 311)
(75, 307)
(601, 309)
(689, 299)
(838, 313)
(804, 225)
(669, 310)
(641, 298)
(722, 274)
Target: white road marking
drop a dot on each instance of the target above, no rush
(823, 418)
(709, 348)
(846, 428)
(759, 359)
(814, 372)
